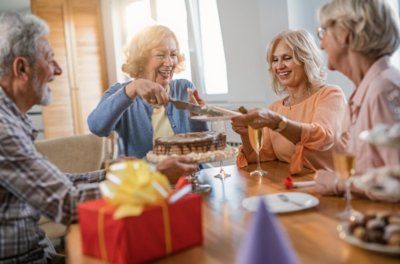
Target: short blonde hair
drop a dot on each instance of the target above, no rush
(138, 49)
(305, 52)
(372, 24)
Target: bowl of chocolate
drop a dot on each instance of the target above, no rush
(378, 232)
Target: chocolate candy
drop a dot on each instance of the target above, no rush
(374, 236)
(394, 220)
(359, 232)
(394, 240)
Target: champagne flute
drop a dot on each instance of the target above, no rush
(219, 127)
(344, 159)
(256, 137)
(114, 150)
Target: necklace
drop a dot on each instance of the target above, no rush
(288, 99)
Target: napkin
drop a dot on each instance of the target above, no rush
(265, 242)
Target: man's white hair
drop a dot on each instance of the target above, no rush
(18, 38)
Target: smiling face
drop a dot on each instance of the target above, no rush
(288, 72)
(45, 70)
(161, 62)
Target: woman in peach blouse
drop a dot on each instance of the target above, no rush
(298, 129)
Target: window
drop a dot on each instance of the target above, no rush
(213, 51)
(200, 39)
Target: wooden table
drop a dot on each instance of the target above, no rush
(312, 232)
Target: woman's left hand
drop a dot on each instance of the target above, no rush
(259, 118)
(194, 98)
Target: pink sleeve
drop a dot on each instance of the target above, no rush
(380, 113)
(266, 153)
(319, 135)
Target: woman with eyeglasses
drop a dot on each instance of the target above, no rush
(298, 129)
(359, 37)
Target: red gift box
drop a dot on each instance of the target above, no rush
(158, 231)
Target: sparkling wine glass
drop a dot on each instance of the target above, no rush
(256, 137)
(219, 127)
(344, 159)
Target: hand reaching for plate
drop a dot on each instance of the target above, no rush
(194, 98)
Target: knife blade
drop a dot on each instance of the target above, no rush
(198, 109)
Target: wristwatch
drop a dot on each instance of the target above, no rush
(281, 125)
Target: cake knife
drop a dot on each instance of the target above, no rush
(198, 109)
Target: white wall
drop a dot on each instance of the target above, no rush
(303, 14)
(246, 31)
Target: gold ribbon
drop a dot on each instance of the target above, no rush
(100, 231)
(132, 185)
(167, 229)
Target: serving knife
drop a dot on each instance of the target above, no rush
(198, 109)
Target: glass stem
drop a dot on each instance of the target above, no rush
(258, 160)
(220, 164)
(348, 196)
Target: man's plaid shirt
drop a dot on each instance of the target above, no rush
(30, 185)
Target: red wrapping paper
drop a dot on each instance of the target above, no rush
(140, 238)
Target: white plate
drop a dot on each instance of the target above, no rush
(276, 205)
(212, 118)
(344, 233)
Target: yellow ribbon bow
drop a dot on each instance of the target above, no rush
(133, 184)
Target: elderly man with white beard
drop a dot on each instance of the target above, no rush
(29, 184)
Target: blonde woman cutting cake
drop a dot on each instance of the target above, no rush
(138, 110)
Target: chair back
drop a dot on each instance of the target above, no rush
(73, 154)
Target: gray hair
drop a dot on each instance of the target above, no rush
(372, 24)
(305, 52)
(18, 38)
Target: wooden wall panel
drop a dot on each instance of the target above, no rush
(76, 36)
(91, 71)
(57, 118)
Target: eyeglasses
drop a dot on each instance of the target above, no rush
(320, 32)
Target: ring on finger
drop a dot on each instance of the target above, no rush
(152, 100)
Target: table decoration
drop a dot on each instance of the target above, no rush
(265, 242)
(135, 222)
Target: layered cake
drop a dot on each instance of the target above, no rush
(200, 146)
(182, 144)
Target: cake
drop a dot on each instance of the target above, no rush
(201, 146)
(182, 144)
